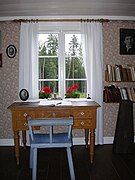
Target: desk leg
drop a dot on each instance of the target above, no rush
(16, 141)
(92, 145)
(86, 137)
(24, 138)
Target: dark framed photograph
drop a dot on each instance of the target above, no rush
(0, 41)
(11, 51)
(24, 94)
(127, 41)
(0, 60)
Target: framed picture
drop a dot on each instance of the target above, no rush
(24, 94)
(127, 41)
(11, 51)
(0, 60)
(0, 41)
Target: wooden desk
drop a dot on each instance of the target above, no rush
(84, 114)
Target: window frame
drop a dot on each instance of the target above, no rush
(61, 30)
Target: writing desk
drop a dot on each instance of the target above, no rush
(84, 113)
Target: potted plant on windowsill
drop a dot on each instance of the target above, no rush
(45, 93)
(72, 92)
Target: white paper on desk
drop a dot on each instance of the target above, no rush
(46, 103)
(64, 103)
(54, 103)
(77, 99)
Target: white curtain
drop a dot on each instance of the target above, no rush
(93, 61)
(28, 59)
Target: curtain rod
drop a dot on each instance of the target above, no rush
(60, 20)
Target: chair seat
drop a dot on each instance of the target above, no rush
(42, 140)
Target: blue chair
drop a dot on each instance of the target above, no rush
(50, 140)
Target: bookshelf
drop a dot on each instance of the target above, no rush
(117, 78)
(118, 73)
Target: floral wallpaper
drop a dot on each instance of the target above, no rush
(9, 73)
(111, 41)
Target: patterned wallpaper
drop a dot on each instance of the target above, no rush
(111, 40)
(9, 73)
(8, 76)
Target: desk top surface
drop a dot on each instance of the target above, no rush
(54, 103)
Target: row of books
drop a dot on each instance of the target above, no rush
(113, 93)
(119, 73)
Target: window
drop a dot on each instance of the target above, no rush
(61, 61)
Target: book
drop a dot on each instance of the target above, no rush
(129, 94)
(109, 70)
(113, 74)
(129, 74)
(117, 73)
(133, 94)
(132, 69)
(121, 74)
(124, 93)
(106, 76)
(124, 74)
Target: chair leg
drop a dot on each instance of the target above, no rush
(34, 164)
(70, 162)
(31, 157)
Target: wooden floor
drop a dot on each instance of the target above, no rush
(52, 164)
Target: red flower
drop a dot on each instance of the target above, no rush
(73, 88)
(46, 90)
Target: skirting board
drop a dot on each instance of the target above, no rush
(76, 141)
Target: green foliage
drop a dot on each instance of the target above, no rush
(48, 66)
(49, 47)
(74, 46)
(44, 96)
(75, 94)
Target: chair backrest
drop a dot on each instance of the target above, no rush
(49, 122)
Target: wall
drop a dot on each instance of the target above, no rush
(9, 73)
(112, 56)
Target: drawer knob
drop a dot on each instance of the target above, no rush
(82, 123)
(25, 114)
(53, 114)
(25, 124)
(82, 113)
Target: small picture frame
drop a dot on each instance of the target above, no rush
(127, 41)
(0, 59)
(11, 51)
(24, 94)
(0, 40)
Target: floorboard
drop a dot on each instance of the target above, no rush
(52, 164)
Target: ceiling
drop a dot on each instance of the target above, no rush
(10, 8)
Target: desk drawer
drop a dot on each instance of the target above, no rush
(43, 114)
(52, 114)
(82, 113)
(21, 123)
(22, 114)
(83, 124)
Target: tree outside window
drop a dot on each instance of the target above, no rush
(60, 70)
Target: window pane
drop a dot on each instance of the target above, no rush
(66, 65)
(73, 44)
(75, 68)
(74, 59)
(48, 44)
(52, 84)
(82, 87)
(48, 68)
